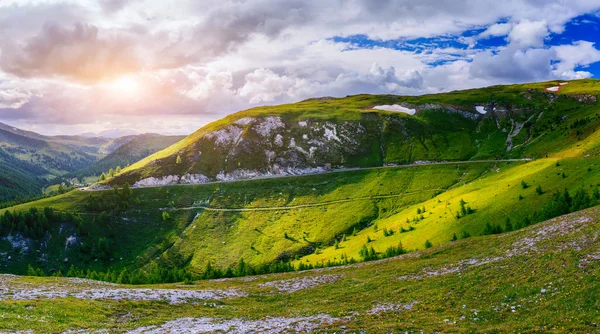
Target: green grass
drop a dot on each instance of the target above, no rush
(549, 286)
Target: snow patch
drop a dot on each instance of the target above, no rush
(553, 89)
(396, 108)
(563, 83)
(481, 110)
(303, 124)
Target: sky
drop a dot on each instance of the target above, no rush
(170, 67)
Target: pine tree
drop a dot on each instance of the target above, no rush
(118, 170)
(508, 225)
(31, 271)
(539, 190)
(102, 177)
(178, 160)
(454, 237)
(428, 244)
(111, 173)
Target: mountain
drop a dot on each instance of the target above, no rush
(18, 178)
(318, 134)
(112, 133)
(532, 156)
(30, 161)
(129, 151)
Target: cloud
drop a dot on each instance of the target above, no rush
(512, 64)
(498, 29)
(580, 53)
(77, 52)
(528, 34)
(202, 59)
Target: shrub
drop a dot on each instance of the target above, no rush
(539, 190)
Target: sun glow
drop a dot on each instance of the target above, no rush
(126, 85)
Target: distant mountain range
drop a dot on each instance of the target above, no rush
(111, 133)
(30, 161)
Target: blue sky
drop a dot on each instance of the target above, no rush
(581, 28)
(74, 66)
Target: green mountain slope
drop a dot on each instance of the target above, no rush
(128, 153)
(18, 178)
(542, 278)
(318, 134)
(331, 218)
(56, 158)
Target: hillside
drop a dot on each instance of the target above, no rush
(331, 217)
(542, 278)
(318, 134)
(30, 161)
(336, 217)
(133, 150)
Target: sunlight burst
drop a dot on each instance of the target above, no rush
(126, 85)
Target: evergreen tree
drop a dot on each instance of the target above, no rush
(178, 160)
(508, 225)
(539, 190)
(428, 244)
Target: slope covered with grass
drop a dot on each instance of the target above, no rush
(133, 150)
(542, 278)
(500, 121)
(316, 220)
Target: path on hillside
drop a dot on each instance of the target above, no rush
(299, 206)
(341, 170)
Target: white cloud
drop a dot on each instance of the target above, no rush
(580, 53)
(498, 29)
(207, 58)
(528, 34)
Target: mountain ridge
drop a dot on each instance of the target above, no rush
(319, 134)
